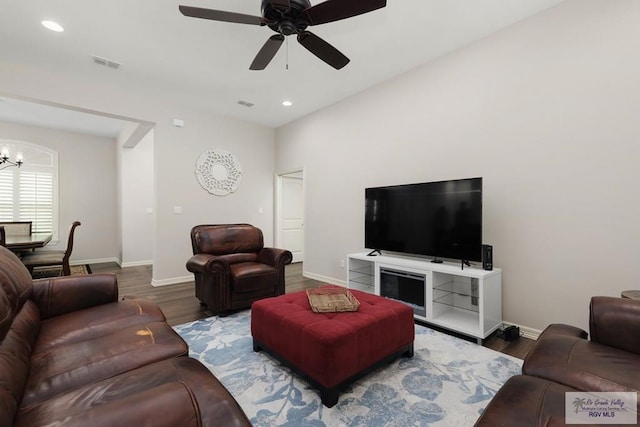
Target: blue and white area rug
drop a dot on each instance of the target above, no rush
(448, 382)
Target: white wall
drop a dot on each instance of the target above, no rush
(87, 187)
(176, 184)
(137, 202)
(546, 111)
(175, 151)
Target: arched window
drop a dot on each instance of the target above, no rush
(30, 193)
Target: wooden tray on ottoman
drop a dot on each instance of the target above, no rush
(332, 299)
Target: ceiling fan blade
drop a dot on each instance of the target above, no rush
(335, 10)
(322, 50)
(268, 51)
(220, 15)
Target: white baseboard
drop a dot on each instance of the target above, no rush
(185, 279)
(325, 279)
(525, 331)
(94, 261)
(116, 260)
(172, 281)
(136, 263)
(163, 282)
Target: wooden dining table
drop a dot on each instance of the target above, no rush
(26, 242)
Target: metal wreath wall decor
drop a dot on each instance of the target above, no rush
(218, 172)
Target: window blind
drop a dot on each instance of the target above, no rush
(30, 193)
(6, 195)
(36, 200)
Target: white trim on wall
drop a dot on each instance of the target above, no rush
(172, 281)
(94, 261)
(525, 331)
(136, 263)
(325, 279)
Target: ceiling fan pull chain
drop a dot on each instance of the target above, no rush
(287, 47)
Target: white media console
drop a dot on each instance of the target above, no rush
(467, 301)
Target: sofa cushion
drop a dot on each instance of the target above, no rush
(525, 401)
(239, 257)
(63, 367)
(95, 322)
(582, 364)
(226, 239)
(6, 314)
(15, 350)
(614, 322)
(15, 288)
(56, 296)
(8, 407)
(251, 276)
(174, 392)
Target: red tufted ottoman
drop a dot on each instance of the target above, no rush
(331, 350)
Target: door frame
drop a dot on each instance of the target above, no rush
(278, 205)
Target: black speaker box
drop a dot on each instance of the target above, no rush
(511, 333)
(487, 257)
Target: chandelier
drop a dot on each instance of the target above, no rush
(6, 163)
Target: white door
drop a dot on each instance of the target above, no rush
(292, 214)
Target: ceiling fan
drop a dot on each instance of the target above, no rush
(287, 17)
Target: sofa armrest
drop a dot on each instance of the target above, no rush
(61, 295)
(207, 263)
(562, 329)
(554, 343)
(615, 322)
(275, 257)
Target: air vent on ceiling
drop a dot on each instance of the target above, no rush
(246, 103)
(105, 62)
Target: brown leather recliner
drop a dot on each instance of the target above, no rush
(232, 268)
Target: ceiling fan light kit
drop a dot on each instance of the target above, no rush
(288, 17)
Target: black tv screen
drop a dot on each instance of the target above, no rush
(438, 219)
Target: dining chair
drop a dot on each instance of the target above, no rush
(44, 258)
(17, 228)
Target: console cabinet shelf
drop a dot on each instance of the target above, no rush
(361, 275)
(467, 301)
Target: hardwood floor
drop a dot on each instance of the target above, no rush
(179, 304)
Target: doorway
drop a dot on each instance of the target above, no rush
(290, 213)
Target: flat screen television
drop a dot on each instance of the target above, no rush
(438, 219)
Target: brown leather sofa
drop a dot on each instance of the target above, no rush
(564, 360)
(232, 268)
(72, 354)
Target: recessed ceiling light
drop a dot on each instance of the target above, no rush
(53, 26)
(287, 103)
